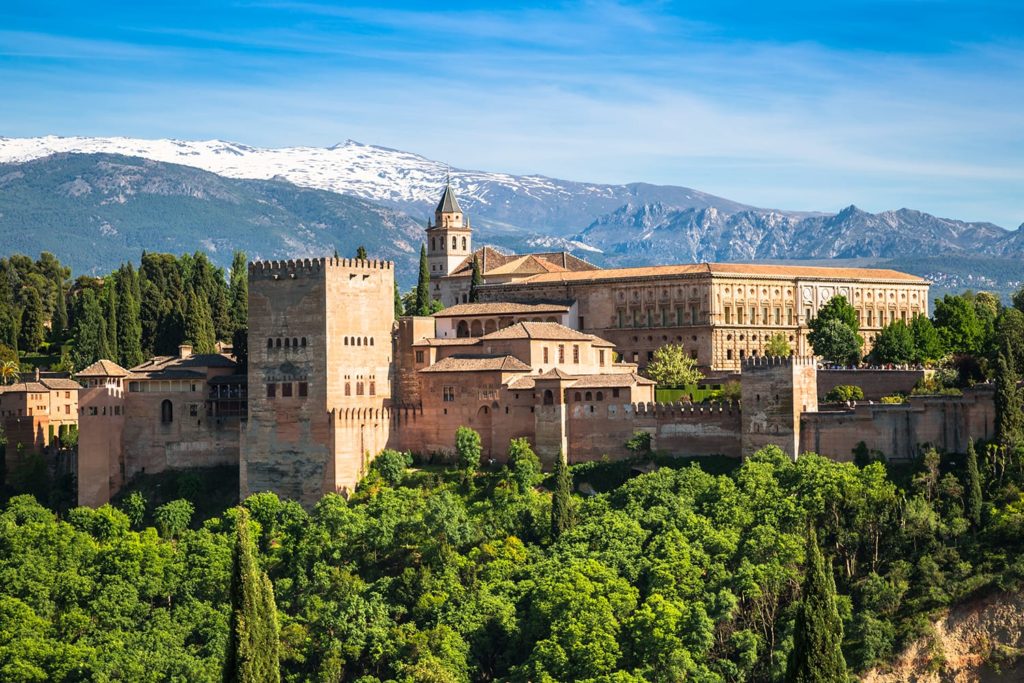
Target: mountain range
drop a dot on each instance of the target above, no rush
(96, 201)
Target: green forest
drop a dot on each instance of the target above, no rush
(467, 574)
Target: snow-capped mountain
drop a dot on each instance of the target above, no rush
(398, 179)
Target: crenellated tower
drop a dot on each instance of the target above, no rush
(449, 239)
(320, 356)
(775, 391)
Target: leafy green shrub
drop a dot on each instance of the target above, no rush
(895, 399)
(844, 393)
(391, 465)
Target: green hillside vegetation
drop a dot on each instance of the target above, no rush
(428, 576)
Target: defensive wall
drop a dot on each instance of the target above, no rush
(899, 431)
(874, 382)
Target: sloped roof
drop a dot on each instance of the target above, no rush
(491, 260)
(533, 330)
(23, 387)
(478, 364)
(446, 341)
(448, 203)
(621, 379)
(727, 269)
(554, 373)
(59, 383)
(103, 368)
(500, 308)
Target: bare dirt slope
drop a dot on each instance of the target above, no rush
(981, 641)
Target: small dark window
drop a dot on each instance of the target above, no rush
(166, 412)
(359, 388)
(346, 341)
(359, 342)
(193, 410)
(271, 390)
(373, 388)
(615, 393)
(419, 356)
(278, 342)
(600, 396)
(303, 389)
(286, 389)
(549, 398)
(348, 388)
(588, 396)
(287, 342)
(371, 341)
(577, 396)
(270, 343)
(303, 342)
(295, 343)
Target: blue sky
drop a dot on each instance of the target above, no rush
(810, 105)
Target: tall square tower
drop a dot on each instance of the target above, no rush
(320, 351)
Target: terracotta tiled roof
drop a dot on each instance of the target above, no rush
(477, 364)
(522, 383)
(491, 260)
(729, 269)
(531, 330)
(199, 360)
(23, 387)
(447, 341)
(622, 379)
(554, 373)
(103, 368)
(59, 383)
(500, 309)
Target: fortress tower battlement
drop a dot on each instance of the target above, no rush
(763, 363)
(314, 266)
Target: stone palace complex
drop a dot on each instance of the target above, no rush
(553, 350)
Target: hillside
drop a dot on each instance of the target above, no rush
(96, 210)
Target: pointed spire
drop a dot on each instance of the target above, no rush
(448, 203)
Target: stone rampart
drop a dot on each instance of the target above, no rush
(875, 383)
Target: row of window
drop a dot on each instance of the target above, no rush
(113, 410)
(38, 410)
(448, 396)
(360, 388)
(288, 343)
(287, 389)
(661, 318)
(575, 355)
(358, 341)
(455, 243)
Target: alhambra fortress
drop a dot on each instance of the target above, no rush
(552, 350)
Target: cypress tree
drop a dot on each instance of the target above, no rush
(252, 655)
(90, 331)
(240, 290)
(59, 321)
(32, 331)
(110, 315)
(561, 510)
(475, 282)
(1009, 405)
(129, 327)
(361, 253)
(199, 325)
(423, 284)
(817, 655)
(973, 486)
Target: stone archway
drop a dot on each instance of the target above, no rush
(462, 329)
(476, 329)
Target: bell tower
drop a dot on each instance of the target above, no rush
(449, 239)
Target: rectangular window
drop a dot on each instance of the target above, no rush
(448, 394)
(576, 354)
(728, 315)
(303, 389)
(636, 317)
(615, 393)
(286, 390)
(664, 318)
(778, 316)
(193, 410)
(545, 355)
(619, 317)
(649, 318)
(600, 358)
(419, 356)
(740, 312)
(693, 354)
(871, 318)
(583, 325)
(789, 316)
(728, 354)
(764, 316)
(561, 353)
(650, 356)
(694, 316)
(271, 390)
(807, 315)
(753, 314)
(373, 388)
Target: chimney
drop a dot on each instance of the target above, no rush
(184, 351)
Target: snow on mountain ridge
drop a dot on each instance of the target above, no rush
(367, 171)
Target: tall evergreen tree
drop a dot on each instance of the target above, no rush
(253, 649)
(561, 499)
(361, 253)
(973, 486)
(399, 309)
(90, 331)
(1009, 403)
(199, 325)
(32, 332)
(59, 321)
(240, 290)
(817, 655)
(475, 282)
(129, 327)
(110, 315)
(423, 284)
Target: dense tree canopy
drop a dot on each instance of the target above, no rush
(672, 367)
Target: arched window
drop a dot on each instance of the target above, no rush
(295, 343)
(348, 388)
(303, 342)
(600, 396)
(359, 388)
(270, 343)
(359, 342)
(433, 247)
(549, 398)
(462, 329)
(371, 341)
(166, 411)
(455, 242)
(278, 342)
(346, 341)
(463, 244)
(364, 342)
(577, 396)
(588, 396)
(287, 342)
